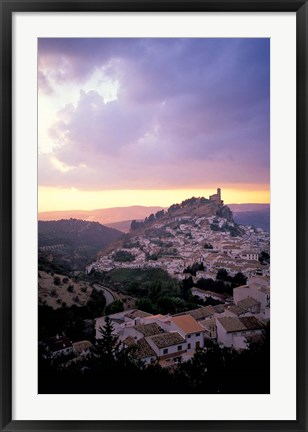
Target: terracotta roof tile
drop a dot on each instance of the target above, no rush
(187, 323)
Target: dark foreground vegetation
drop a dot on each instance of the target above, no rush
(109, 369)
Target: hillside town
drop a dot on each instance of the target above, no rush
(178, 244)
(181, 241)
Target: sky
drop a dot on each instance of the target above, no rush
(152, 121)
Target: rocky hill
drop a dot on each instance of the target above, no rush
(192, 207)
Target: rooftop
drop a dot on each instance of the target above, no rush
(237, 310)
(81, 346)
(209, 324)
(252, 323)
(235, 324)
(187, 323)
(136, 313)
(149, 329)
(167, 339)
(232, 324)
(202, 312)
(247, 303)
(143, 349)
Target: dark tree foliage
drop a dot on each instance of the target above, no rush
(237, 280)
(70, 320)
(56, 280)
(136, 225)
(211, 370)
(160, 214)
(222, 274)
(145, 305)
(114, 307)
(123, 256)
(208, 246)
(194, 268)
(264, 258)
(108, 346)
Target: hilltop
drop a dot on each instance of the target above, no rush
(71, 243)
(191, 207)
(196, 235)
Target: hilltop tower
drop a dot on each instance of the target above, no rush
(217, 197)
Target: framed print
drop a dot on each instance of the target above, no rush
(153, 230)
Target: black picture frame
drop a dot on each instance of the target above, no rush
(7, 9)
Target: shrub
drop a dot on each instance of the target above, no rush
(56, 280)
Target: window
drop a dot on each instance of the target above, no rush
(197, 334)
(179, 347)
(165, 351)
(188, 346)
(189, 336)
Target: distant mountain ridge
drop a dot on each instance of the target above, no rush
(72, 242)
(247, 207)
(75, 232)
(103, 216)
(120, 218)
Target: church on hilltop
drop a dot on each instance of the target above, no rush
(217, 197)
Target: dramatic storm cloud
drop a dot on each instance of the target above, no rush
(153, 113)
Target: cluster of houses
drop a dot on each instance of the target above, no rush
(172, 339)
(183, 241)
(186, 240)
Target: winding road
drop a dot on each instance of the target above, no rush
(109, 295)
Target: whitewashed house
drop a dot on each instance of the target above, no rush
(233, 331)
(141, 350)
(169, 346)
(190, 329)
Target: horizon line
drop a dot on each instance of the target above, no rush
(137, 205)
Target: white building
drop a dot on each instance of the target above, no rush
(168, 346)
(233, 331)
(190, 329)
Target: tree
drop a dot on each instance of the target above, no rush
(108, 345)
(114, 307)
(264, 258)
(239, 279)
(145, 305)
(56, 280)
(151, 218)
(222, 274)
(135, 225)
(159, 214)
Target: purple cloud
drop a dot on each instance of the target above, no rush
(188, 112)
